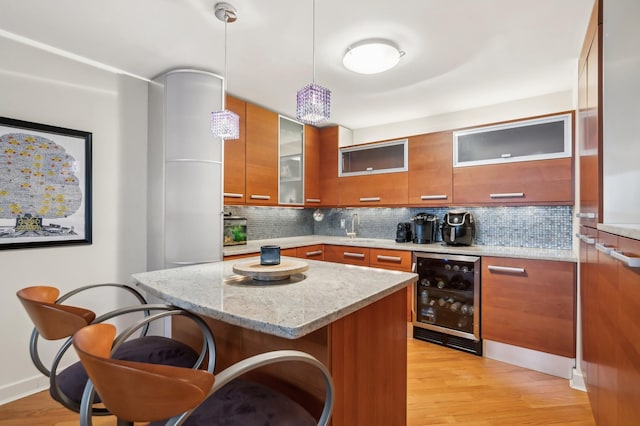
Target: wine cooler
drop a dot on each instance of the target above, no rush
(446, 300)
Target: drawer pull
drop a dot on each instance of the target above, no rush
(434, 197)
(354, 255)
(384, 258)
(364, 199)
(232, 195)
(507, 269)
(589, 215)
(507, 195)
(313, 200)
(604, 249)
(260, 197)
(313, 253)
(586, 239)
(632, 262)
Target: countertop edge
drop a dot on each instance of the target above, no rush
(622, 230)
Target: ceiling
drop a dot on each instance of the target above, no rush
(459, 54)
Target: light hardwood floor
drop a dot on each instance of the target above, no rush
(445, 386)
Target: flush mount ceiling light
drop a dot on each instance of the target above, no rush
(224, 123)
(313, 102)
(372, 56)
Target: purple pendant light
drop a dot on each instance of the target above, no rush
(313, 101)
(224, 123)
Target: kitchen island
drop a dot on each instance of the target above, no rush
(352, 318)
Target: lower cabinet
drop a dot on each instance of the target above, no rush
(347, 254)
(398, 260)
(314, 252)
(529, 303)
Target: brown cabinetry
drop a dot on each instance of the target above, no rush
(398, 260)
(261, 156)
(329, 166)
(384, 189)
(312, 196)
(235, 156)
(527, 182)
(430, 169)
(314, 252)
(529, 303)
(347, 254)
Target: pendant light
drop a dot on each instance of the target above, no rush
(313, 101)
(224, 123)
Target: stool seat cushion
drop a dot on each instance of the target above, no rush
(150, 349)
(245, 403)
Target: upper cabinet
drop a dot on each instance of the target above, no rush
(527, 162)
(312, 196)
(261, 156)
(430, 171)
(382, 157)
(234, 157)
(329, 139)
(291, 161)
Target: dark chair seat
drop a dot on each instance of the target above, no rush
(245, 403)
(149, 349)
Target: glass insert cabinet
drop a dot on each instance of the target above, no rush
(290, 161)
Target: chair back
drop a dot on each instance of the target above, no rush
(135, 391)
(53, 321)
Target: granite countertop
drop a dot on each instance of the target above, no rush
(476, 250)
(328, 292)
(623, 230)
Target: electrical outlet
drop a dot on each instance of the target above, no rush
(342, 223)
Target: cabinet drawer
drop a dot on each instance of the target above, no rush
(315, 252)
(390, 259)
(530, 182)
(529, 303)
(347, 254)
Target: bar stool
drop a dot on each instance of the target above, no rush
(54, 320)
(140, 392)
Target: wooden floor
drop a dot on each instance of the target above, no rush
(445, 386)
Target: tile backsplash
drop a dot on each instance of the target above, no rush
(526, 226)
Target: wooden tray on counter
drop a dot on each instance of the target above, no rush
(258, 272)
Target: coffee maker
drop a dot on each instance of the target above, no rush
(426, 228)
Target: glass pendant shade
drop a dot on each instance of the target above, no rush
(313, 104)
(225, 124)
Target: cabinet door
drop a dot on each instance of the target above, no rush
(589, 310)
(314, 252)
(347, 254)
(312, 196)
(629, 319)
(399, 260)
(430, 169)
(374, 190)
(235, 157)
(529, 182)
(288, 252)
(262, 156)
(529, 303)
(329, 166)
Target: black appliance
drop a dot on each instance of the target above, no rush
(426, 228)
(446, 300)
(458, 228)
(403, 232)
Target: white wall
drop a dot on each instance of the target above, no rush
(43, 88)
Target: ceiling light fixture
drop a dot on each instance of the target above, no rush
(313, 102)
(224, 123)
(372, 56)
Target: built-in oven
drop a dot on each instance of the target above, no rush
(446, 300)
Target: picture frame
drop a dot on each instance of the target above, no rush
(45, 185)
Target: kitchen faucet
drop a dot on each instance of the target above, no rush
(352, 234)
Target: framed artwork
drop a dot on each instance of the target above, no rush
(45, 185)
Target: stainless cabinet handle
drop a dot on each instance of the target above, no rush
(313, 253)
(355, 255)
(586, 239)
(313, 200)
(604, 249)
(632, 262)
(507, 195)
(260, 197)
(383, 258)
(507, 269)
(232, 195)
(589, 215)
(434, 197)
(363, 199)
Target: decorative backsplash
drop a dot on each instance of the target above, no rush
(527, 226)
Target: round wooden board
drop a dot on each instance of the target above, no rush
(284, 270)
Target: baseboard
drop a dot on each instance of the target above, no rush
(555, 365)
(577, 380)
(23, 388)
